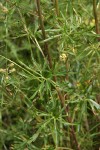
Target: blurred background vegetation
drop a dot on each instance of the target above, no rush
(49, 75)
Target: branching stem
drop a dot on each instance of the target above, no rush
(46, 53)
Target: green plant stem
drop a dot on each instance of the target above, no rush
(57, 8)
(55, 3)
(72, 131)
(46, 49)
(95, 16)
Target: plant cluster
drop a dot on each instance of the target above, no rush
(49, 75)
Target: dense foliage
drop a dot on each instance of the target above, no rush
(49, 75)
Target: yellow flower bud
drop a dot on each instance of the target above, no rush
(63, 57)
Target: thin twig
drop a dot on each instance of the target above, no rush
(96, 17)
(46, 49)
(62, 99)
(55, 3)
(57, 8)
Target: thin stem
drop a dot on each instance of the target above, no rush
(57, 8)
(95, 16)
(55, 4)
(62, 99)
(46, 49)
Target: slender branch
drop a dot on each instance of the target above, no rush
(62, 99)
(46, 49)
(95, 16)
(57, 7)
(55, 4)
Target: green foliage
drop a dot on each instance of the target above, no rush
(31, 113)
